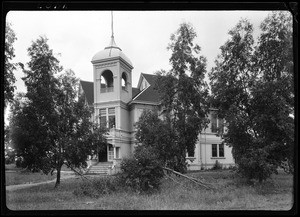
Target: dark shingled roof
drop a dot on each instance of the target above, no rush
(88, 89)
(135, 91)
(149, 94)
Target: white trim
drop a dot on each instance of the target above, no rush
(144, 102)
(140, 80)
(140, 92)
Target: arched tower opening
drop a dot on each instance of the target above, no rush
(107, 81)
(124, 81)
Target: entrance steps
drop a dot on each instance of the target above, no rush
(99, 168)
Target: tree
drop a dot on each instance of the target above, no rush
(9, 78)
(157, 135)
(9, 151)
(53, 126)
(255, 107)
(184, 92)
(275, 89)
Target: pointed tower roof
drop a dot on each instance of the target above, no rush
(112, 44)
(112, 51)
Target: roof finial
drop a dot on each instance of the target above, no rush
(112, 43)
(112, 24)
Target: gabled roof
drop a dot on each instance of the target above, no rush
(88, 89)
(150, 78)
(149, 94)
(135, 91)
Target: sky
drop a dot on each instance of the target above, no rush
(76, 36)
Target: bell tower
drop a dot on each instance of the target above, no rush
(112, 72)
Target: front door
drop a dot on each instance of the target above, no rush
(102, 155)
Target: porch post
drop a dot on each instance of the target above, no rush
(115, 153)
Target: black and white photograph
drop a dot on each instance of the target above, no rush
(149, 110)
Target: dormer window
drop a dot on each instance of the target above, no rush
(107, 82)
(144, 84)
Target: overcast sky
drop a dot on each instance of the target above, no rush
(142, 35)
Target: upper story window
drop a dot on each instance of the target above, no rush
(107, 82)
(107, 117)
(217, 124)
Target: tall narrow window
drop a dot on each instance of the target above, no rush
(221, 150)
(111, 118)
(110, 152)
(213, 122)
(214, 150)
(102, 117)
(221, 125)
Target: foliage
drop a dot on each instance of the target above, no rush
(158, 135)
(143, 171)
(276, 194)
(9, 152)
(255, 165)
(9, 68)
(51, 123)
(98, 187)
(252, 88)
(183, 93)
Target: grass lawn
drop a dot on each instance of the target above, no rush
(16, 176)
(232, 194)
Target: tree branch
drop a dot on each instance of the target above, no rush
(196, 181)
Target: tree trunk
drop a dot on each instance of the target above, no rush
(58, 176)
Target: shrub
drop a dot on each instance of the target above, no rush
(217, 166)
(255, 165)
(143, 171)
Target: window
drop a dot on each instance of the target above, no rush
(110, 152)
(102, 117)
(111, 121)
(191, 154)
(221, 125)
(107, 117)
(221, 150)
(217, 150)
(217, 124)
(214, 150)
(214, 122)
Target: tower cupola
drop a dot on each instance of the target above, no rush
(112, 74)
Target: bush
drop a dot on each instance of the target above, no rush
(255, 165)
(143, 171)
(217, 166)
(98, 187)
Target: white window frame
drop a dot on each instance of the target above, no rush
(107, 115)
(218, 151)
